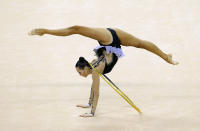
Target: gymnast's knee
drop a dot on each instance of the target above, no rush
(75, 28)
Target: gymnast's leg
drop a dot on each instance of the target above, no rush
(99, 34)
(154, 49)
(129, 40)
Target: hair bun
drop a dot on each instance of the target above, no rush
(82, 62)
(81, 59)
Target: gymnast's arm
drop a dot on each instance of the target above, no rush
(95, 89)
(92, 89)
(95, 86)
(91, 96)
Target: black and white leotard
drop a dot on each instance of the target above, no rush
(114, 49)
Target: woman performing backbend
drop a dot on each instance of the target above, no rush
(110, 40)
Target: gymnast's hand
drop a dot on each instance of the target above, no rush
(87, 115)
(83, 106)
(39, 32)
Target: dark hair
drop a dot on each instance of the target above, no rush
(99, 52)
(82, 62)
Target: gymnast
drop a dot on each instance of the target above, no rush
(108, 52)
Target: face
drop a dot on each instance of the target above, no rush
(83, 72)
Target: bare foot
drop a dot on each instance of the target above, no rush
(169, 60)
(37, 32)
(83, 106)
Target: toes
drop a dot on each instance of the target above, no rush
(171, 61)
(29, 33)
(32, 32)
(36, 32)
